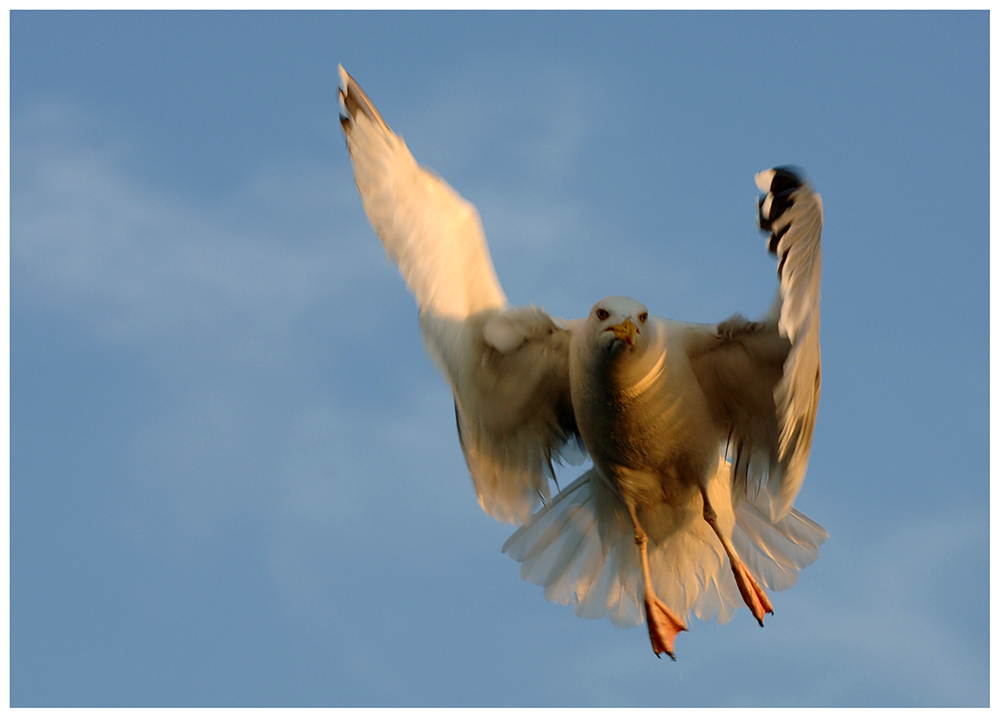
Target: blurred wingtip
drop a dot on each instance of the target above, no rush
(780, 178)
(762, 178)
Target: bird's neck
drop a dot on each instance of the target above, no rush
(629, 378)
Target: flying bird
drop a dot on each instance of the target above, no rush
(699, 434)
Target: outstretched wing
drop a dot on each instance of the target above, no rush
(762, 379)
(793, 213)
(427, 227)
(508, 368)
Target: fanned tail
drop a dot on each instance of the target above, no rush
(775, 553)
(561, 548)
(581, 549)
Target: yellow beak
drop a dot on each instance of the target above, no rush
(625, 331)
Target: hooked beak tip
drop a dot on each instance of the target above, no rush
(626, 331)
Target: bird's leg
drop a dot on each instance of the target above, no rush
(662, 623)
(753, 595)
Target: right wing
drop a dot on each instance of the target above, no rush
(508, 368)
(427, 227)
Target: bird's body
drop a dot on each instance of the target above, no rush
(642, 414)
(699, 434)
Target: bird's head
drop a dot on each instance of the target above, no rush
(618, 324)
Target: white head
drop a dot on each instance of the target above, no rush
(618, 325)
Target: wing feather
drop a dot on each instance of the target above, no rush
(762, 379)
(795, 237)
(434, 234)
(512, 405)
(508, 367)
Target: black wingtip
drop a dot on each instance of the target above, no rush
(773, 205)
(786, 177)
(784, 180)
(780, 191)
(355, 102)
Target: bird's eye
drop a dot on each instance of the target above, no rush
(643, 317)
(602, 314)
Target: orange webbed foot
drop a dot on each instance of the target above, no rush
(663, 625)
(753, 595)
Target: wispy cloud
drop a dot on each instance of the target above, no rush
(133, 264)
(259, 318)
(216, 298)
(896, 607)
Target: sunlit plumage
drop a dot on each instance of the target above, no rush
(699, 434)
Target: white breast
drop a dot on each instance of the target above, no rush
(644, 418)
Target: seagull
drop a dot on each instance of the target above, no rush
(699, 435)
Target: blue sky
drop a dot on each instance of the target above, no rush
(235, 478)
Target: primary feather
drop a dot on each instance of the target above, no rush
(507, 367)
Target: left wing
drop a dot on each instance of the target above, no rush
(762, 379)
(793, 213)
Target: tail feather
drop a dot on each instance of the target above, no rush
(719, 598)
(775, 553)
(581, 550)
(532, 542)
(569, 554)
(560, 548)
